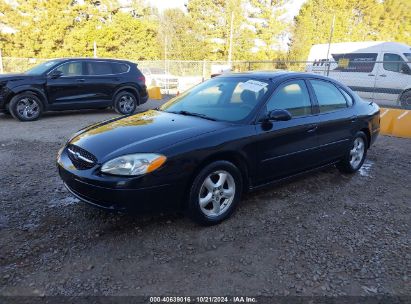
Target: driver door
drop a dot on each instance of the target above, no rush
(287, 147)
(69, 91)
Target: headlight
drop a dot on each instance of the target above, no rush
(133, 164)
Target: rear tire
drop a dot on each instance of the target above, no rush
(355, 157)
(405, 100)
(125, 103)
(26, 106)
(215, 193)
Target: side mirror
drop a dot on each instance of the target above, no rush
(56, 74)
(405, 69)
(279, 115)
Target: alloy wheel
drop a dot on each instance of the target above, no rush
(216, 193)
(28, 108)
(127, 104)
(357, 152)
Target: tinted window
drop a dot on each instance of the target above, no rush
(392, 62)
(358, 62)
(99, 68)
(328, 96)
(292, 96)
(229, 99)
(119, 68)
(71, 68)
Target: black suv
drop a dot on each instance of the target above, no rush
(73, 84)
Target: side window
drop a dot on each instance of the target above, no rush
(71, 69)
(99, 68)
(392, 62)
(119, 68)
(292, 96)
(328, 96)
(355, 62)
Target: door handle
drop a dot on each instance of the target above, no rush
(371, 74)
(81, 80)
(312, 128)
(353, 118)
(383, 75)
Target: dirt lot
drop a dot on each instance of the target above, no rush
(325, 234)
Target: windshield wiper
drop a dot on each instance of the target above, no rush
(187, 113)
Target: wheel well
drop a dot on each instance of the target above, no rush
(234, 158)
(368, 134)
(402, 93)
(129, 90)
(40, 96)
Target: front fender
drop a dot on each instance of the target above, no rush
(38, 90)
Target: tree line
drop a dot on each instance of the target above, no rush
(258, 29)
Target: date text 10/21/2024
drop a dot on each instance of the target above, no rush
(205, 299)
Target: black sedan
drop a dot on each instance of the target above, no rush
(202, 150)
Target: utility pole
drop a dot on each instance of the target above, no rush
(230, 50)
(95, 49)
(1, 63)
(329, 44)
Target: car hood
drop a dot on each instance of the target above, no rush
(7, 77)
(147, 132)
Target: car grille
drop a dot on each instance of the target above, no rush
(81, 158)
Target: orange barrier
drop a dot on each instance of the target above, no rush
(396, 122)
(154, 93)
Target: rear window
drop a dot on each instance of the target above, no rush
(99, 68)
(328, 96)
(119, 68)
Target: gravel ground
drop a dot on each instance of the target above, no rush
(324, 234)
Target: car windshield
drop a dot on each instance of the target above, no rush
(408, 56)
(221, 98)
(42, 67)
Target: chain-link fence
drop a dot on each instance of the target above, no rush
(386, 82)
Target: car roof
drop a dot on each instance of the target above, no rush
(91, 59)
(273, 75)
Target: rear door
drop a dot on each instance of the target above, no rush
(69, 90)
(103, 78)
(392, 78)
(287, 147)
(336, 119)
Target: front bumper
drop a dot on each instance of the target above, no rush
(119, 193)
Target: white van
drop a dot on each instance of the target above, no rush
(377, 71)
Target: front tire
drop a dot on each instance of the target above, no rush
(26, 106)
(355, 157)
(125, 103)
(215, 193)
(405, 100)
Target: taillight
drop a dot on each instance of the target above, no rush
(142, 79)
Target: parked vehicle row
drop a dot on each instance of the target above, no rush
(73, 84)
(203, 149)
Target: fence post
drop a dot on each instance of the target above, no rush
(1, 62)
(204, 69)
(249, 65)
